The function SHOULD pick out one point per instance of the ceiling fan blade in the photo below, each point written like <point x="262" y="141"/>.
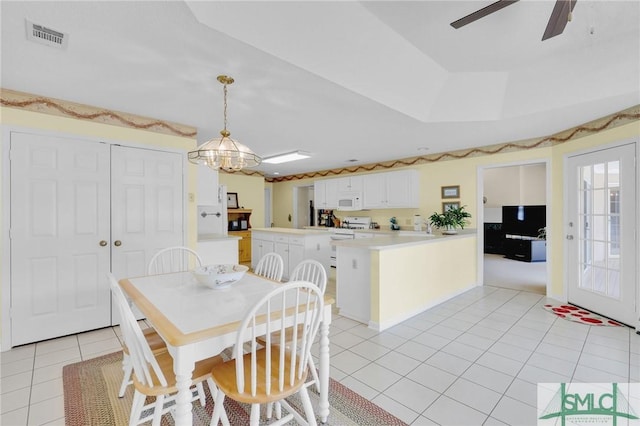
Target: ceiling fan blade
<point x="559" y="18"/>
<point x="493" y="7"/>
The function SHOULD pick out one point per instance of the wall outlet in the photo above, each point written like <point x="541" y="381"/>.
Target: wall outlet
<point x="354" y="263"/>
<point x="192" y="197"/>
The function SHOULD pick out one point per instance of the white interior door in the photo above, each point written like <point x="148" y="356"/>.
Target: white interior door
<point x="59" y="236"/>
<point x="147" y="207"/>
<point x="601" y="230"/>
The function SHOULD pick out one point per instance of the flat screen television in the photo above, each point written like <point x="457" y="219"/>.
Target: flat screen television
<point x="523" y="220"/>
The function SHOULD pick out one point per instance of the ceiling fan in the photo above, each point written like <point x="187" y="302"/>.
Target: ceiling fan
<point x="557" y="22"/>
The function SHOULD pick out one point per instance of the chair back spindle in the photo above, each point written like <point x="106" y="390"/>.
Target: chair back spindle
<point x="270" y="266"/>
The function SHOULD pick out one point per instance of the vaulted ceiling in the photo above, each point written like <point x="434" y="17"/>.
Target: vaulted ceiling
<point x="367" y="81"/>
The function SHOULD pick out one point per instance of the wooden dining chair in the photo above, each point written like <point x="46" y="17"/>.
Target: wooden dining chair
<point x="271" y="373"/>
<point x="173" y="259"/>
<point x="270" y="266"/>
<point x="156" y="344"/>
<point x="153" y="374"/>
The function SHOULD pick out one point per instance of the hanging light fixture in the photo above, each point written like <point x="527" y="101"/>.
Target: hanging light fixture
<point x="224" y="153"/>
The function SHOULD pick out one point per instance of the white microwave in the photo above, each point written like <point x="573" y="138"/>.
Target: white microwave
<point x="350" y="201"/>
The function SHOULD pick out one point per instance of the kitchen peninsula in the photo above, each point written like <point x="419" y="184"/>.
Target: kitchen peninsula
<point x="385" y="280"/>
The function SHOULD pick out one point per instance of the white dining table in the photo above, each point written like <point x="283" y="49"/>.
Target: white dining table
<point x="198" y="322"/>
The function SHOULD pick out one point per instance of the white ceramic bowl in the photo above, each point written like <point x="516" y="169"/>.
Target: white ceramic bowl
<point x="219" y="276"/>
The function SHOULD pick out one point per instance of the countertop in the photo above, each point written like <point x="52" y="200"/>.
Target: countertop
<point x="216" y="237"/>
<point x="386" y="241"/>
<point x="293" y="231"/>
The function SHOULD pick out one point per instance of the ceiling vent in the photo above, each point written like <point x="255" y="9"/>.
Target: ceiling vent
<point x="47" y="36"/>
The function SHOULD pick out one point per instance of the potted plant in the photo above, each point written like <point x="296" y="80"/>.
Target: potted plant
<point x="450" y="220"/>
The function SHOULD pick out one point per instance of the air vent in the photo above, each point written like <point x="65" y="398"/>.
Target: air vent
<point x="47" y="36"/>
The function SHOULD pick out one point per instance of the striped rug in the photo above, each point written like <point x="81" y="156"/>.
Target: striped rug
<point x="91" y="398"/>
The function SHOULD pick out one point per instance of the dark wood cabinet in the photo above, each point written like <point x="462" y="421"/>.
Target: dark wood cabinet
<point x="525" y="250"/>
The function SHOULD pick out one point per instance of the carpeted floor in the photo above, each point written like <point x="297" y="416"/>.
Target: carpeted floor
<point x="91" y="398"/>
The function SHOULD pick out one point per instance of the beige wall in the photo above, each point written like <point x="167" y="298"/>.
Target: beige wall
<point x="250" y="190"/>
<point x="515" y="185"/>
<point x="464" y="173"/>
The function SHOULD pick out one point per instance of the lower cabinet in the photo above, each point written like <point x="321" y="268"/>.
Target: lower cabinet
<point x="244" y="245"/>
<point x="292" y="248"/>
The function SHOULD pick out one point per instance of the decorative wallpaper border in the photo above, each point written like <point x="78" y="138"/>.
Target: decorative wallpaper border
<point x="614" y="120"/>
<point x="44" y="105"/>
<point x="41" y="104"/>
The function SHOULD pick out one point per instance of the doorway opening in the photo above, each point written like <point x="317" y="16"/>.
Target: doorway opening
<point x="513" y="249"/>
<point x="303" y="206"/>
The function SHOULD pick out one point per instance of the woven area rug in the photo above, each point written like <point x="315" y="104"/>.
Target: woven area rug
<point x="91" y="398"/>
<point x="573" y="313"/>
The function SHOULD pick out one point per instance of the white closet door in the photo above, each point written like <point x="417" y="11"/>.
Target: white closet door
<point x="147" y="207"/>
<point x="59" y="236"/>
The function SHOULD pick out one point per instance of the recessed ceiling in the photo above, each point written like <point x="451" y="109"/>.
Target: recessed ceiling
<point x="372" y="81"/>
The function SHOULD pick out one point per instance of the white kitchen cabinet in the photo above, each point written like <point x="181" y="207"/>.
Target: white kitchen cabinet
<point x="218" y="250"/>
<point x="391" y="190"/>
<point x="325" y="193"/>
<point x="293" y="251"/>
<point x="294" y="247"/>
<point x="350" y="184"/>
<point x="207" y="186"/>
<point x="261" y="244"/>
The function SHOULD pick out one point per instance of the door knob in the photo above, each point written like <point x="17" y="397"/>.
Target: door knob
<point x="103" y="243"/>
<point x="569" y="237"/>
<point x="117" y="243"/>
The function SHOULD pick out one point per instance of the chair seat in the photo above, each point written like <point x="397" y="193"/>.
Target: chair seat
<point x="200" y="373"/>
<point x="154" y="340"/>
<point x="224" y="376"/>
<point x="275" y="336"/>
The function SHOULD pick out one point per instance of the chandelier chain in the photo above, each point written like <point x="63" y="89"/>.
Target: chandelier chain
<point x="225" y="106"/>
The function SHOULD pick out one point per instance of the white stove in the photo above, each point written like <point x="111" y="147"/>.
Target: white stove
<point x="347" y="231"/>
<point x="355" y="222"/>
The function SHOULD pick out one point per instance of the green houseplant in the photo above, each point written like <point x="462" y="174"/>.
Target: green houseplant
<point x="450" y="220"/>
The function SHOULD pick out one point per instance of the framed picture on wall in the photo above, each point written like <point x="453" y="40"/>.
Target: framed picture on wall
<point x="451" y="191"/>
<point x="450" y="205"/>
<point x="232" y="200"/>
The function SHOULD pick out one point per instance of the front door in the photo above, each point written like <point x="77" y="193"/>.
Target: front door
<point x="601" y="228"/>
<point x="59" y="236"/>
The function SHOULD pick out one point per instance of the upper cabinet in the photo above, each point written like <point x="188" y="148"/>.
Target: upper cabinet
<point x="391" y="190"/>
<point x="207" y="186"/>
<point x="325" y="193"/>
<point x="379" y="190"/>
<point x="350" y="184"/>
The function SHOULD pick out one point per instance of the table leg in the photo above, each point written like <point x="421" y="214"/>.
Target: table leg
<point x="324" y="371"/>
<point x="183" y="369"/>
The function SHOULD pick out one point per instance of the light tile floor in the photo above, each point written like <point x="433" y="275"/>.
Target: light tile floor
<point x="474" y="360"/>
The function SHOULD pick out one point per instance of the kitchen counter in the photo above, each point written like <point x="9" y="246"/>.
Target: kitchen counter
<point x="395" y="239"/>
<point x="216" y="237"/>
<point x="293" y="231"/>
<point x="388" y="279"/>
